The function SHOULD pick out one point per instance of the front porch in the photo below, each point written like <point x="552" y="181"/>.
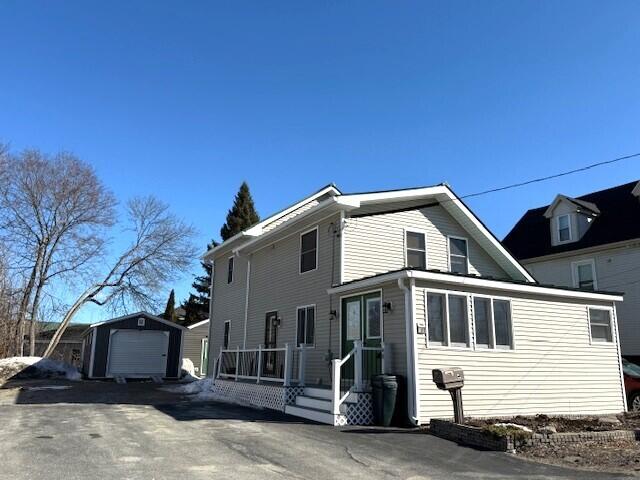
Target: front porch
<point x="275" y="378"/>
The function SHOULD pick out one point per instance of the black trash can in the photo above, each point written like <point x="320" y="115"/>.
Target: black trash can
<point x="385" y="390"/>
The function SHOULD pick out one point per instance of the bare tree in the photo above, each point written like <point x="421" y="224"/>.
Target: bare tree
<point x="54" y="212"/>
<point x="160" y="249"/>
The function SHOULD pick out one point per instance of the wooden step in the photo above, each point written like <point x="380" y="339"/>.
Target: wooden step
<point x="319" y="416"/>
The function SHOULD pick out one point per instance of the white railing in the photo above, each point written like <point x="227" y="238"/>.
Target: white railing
<point x="263" y="364"/>
<point x="360" y="358"/>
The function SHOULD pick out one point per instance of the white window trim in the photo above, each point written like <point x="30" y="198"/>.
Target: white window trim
<point x="229" y="339"/>
<point x="233" y="269"/>
<point x="574" y="271"/>
<point x="360" y="294"/>
<point x="300" y="272"/>
<point x="597" y="343"/>
<point x="447" y="345"/>
<point x="568" y="215"/>
<point x="366" y="319"/>
<point x="449" y="237"/>
<point x="315" y="315"/>
<point x="496" y="347"/>
<point x="421" y="232"/>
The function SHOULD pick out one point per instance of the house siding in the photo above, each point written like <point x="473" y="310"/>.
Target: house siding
<point x="375" y="244"/>
<point x="553" y="368"/>
<point x="192" y="348"/>
<point x="617" y="269"/>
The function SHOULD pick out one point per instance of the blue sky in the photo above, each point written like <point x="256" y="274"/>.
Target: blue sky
<point x="185" y="100"/>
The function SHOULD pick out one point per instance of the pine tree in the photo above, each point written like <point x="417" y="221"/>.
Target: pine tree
<point x="197" y="305"/>
<point x="170" y="309"/>
<point x="241" y="216"/>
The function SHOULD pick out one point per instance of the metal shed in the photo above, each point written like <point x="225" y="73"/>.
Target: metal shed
<point x="139" y="345"/>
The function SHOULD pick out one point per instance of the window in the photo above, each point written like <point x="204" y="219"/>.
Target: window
<point x="600" y="325"/>
<point x="447" y="319"/>
<point x="309" y="251"/>
<point x="492" y="319"/>
<point x="306" y="326"/>
<point x="230" y="270"/>
<point x="75" y="356"/>
<point x="225" y="336"/>
<point x="458" y="255"/>
<point x="373" y="318"/>
<point x="416" y="253"/>
<point x="564" y="228"/>
<point x="584" y="274"/>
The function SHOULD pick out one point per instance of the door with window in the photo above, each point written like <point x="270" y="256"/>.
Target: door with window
<point x="270" y="359"/>
<point x="362" y="320"/>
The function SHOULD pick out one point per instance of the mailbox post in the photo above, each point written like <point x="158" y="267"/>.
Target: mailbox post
<point x="452" y="380"/>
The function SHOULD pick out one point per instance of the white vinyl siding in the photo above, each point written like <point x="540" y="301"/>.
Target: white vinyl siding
<point x="376" y="244"/>
<point x="617" y="270"/>
<point x="553" y="369"/>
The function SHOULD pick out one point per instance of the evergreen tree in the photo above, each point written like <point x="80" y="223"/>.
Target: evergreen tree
<point x="241" y="216"/>
<point x="170" y="309"/>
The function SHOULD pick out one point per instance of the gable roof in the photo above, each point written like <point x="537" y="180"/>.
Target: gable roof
<point x="581" y="205"/>
<point x="618" y="220"/>
<point x="133" y="315"/>
<point x="257" y="229"/>
<point x="438" y="194"/>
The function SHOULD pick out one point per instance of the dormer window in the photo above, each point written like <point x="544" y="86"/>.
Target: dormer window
<point x="564" y="228"/>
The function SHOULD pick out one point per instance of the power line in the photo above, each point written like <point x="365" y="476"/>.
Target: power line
<point x="550" y="177"/>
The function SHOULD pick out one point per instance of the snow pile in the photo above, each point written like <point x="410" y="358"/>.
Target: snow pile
<point x="187" y="368"/>
<point x="202" y="391"/>
<point x="36" y="367"/>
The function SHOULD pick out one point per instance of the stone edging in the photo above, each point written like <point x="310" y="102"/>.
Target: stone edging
<point x="477" y="437"/>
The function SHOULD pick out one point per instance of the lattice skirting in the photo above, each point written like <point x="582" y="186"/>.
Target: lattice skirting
<point x="274" y="397"/>
<point x="361" y="412"/>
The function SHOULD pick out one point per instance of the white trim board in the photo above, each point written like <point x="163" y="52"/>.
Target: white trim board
<point x="473" y="282"/>
<point x="192" y="326"/>
<point x="138" y="314"/>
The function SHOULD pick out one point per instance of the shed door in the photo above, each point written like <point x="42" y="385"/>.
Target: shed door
<point x="138" y="353"/>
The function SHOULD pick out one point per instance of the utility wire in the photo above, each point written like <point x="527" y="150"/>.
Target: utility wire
<point x="550" y="177"/>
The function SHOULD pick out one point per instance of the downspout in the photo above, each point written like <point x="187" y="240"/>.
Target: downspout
<point x="210" y="359"/>
<point x="246" y="303"/>
<point x="412" y="367"/>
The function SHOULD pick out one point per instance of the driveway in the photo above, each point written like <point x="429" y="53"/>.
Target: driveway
<point x="136" y="431"/>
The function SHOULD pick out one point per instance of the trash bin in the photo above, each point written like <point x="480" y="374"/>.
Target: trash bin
<point x="385" y="389"/>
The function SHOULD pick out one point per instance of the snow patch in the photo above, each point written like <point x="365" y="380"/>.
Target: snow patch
<point x="36" y="367"/>
<point x="187" y="368"/>
<point x="202" y="391"/>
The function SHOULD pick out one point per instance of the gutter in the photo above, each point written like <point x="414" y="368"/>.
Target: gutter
<point x="412" y="351"/>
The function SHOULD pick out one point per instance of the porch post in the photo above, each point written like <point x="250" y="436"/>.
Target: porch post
<point x="302" y="364"/>
<point x="237" y="361"/>
<point x="219" y="366"/>
<point x="259" y="363"/>
<point x="335" y="386"/>
<point x="287" y="364"/>
<point x="357" y="364"/>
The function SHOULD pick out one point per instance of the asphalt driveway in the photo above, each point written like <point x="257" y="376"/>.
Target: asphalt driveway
<point x="136" y="431"/>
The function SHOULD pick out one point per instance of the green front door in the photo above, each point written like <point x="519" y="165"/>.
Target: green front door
<point x="362" y="320"/>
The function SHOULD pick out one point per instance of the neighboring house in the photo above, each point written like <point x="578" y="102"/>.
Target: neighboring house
<point x="69" y="348"/>
<point x="196" y="346"/>
<point x="139" y="345"/>
<point x="591" y="242"/>
<point x="311" y="302"/>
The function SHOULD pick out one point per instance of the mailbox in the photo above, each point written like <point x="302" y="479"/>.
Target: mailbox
<point x="448" y="378"/>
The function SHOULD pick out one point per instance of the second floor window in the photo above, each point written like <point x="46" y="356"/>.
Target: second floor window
<point x="306" y="326"/>
<point x="584" y="275"/>
<point x="564" y="228"/>
<point x="230" y="270"/>
<point x="458" y="255"/>
<point x="309" y="251"/>
<point x="416" y="250"/>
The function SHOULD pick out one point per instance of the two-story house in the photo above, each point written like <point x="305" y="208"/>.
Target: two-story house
<point x="313" y="301"/>
<point x="590" y="242"/>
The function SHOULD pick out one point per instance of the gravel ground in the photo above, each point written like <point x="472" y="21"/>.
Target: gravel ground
<point x="622" y="456"/>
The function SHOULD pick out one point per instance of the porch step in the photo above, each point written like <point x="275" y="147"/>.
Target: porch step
<point x="316" y="403"/>
<point x="326" y="394"/>
<point x="320" y="416"/>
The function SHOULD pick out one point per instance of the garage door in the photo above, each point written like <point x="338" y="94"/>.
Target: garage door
<point x="138" y="353"/>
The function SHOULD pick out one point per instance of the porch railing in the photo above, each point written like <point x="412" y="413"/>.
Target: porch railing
<point x="358" y="361"/>
<point x="282" y="365"/>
